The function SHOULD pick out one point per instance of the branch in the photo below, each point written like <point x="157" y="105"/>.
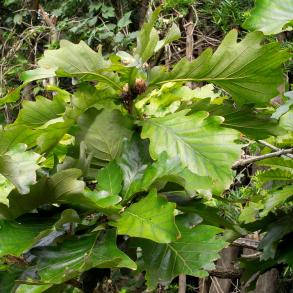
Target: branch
<point x="250" y="160"/>
<point x="274" y="148"/>
<point x="246" y="243"/>
<point x="227" y="274"/>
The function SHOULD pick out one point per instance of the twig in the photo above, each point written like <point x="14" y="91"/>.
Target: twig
<point x="251" y="256"/>
<point x="250" y="160"/>
<point x="274" y="148"/>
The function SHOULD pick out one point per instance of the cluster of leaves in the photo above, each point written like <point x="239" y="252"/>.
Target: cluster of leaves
<point x="133" y="151"/>
<point x="25" y="34"/>
<point x="225" y="14"/>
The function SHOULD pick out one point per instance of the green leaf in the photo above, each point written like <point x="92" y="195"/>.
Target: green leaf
<point x="24" y="233"/>
<point x="273" y="175"/>
<point x="125" y="20"/>
<point x="5" y="188"/>
<point x="167" y="170"/>
<point x="170" y="97"/>
<point x="245" y="119"/>
<point x="35" y="114"/>
<point x="244" y="69"/>
<point x="286" y="121"/>
<point x="103" y="132"/>
<point x="191" y="254"/>
<point x="13" y="95"/>
<point x="152" y="218"/>
<point x="270" y="16"/>
<point x="48" y="190"/>
<point x="210" y="215"/>
<point x="133" y="164"/>
<point x="38" y="73"/>
<point x="87" y="96"/>
<point x="278" y="163"/>
<point x="51" y="135"/>
<point x="277" y="198"/>
<point x="202" y="145"/>
<point x="19" y="166"/>
<point x="79" y="60"/>
<point x="147" y="38"/>
<point x="172" y="35"/>
<point x="7" y="278"/>
<point x="275" y="232"/>
<point x="78" y="254"/>
<point x="110" y="178"/>
<point x="13" y="135"/>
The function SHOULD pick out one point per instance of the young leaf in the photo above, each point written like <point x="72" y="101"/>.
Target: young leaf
<point x="191" y="254"/>
<point x="152" y="218"/>
<point x="57" y="264"/>
<point x="245" y="69"/>
<point x="270" y="16"/>
<point x="202" y="145"/>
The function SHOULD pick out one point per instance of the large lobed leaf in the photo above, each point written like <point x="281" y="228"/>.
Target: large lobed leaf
<point x="76" y="60"/>
<point x="246" y="119"/>
<point x="19" y="166"/>
<point x="60" y="186"/>
<point x="152" y="218"/>
<point x="103" y="133"/>
<point x="78" y="254"/>
<point x="248" y="71"/>
<point x="270" y="16"/>
<point x="191" y="254"/>
<point x="202" y="145"/>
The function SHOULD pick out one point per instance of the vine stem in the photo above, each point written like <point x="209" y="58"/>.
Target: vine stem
<point x="253" y="159"/>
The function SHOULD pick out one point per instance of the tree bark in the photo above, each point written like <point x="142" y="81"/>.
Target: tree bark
<point x="182" y="284"/>
<point x="144" y="5"/>
<point x="225" y="263"/>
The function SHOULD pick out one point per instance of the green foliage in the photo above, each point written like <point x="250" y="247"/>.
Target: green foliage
<point x="270" y="16"/>
<point x="240" y="68"/>
<point x="131" y="150"/>
<point x="193" y="252"/>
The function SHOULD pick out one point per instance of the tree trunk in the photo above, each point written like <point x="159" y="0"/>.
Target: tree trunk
<point x="226" y="262"/>
<point x="267" y="282"/>
<point x="144" y="5"/>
